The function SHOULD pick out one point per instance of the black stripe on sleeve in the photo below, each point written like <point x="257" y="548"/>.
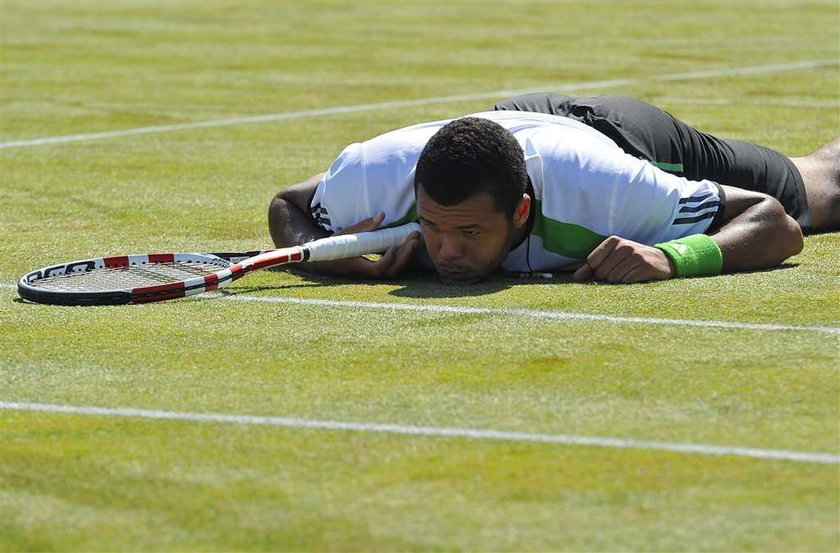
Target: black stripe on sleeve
<point x="689" y="220"/>
<point x="696" y="208"/>
<point x="312" y="197"/>
<point x="693" y="199"/>
<point x="721" y="212"/>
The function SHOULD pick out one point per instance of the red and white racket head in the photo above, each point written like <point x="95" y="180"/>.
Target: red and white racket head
<point x="123" y="279"/>
<point x="163" y="276"/>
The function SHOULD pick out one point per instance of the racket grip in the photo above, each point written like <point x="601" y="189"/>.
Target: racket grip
<point x="353" y="245"/>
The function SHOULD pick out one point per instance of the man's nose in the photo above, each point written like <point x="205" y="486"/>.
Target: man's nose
<point x="450" y="249"/>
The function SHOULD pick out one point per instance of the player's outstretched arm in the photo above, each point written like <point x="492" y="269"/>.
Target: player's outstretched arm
<point x="622" y="261"/>
<point x="756" y="233"/>
<point x="290" y="225"/>
<point x="288" y="216"/>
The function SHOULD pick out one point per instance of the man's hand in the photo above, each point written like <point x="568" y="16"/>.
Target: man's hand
<point x="393" y="261"/>
<point x="619" y="260"/>
<point x="290" y="224"/>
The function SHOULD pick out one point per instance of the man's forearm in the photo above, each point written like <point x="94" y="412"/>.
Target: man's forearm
<point x="759" y="237"/>
<point x="289" y="226"/>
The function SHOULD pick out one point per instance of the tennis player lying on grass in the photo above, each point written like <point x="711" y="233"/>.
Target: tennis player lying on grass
<point x="610" y="187"/>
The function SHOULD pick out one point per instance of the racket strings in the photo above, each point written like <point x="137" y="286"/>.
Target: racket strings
<point x="132" y="276"/>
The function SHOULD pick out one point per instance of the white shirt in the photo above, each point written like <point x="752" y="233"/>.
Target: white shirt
<point x="585" y="187"/>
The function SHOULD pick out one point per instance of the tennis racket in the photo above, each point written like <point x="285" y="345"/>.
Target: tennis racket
<point x="165" y="276"/>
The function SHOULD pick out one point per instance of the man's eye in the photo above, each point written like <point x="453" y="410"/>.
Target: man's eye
<point x="470" y="233"/>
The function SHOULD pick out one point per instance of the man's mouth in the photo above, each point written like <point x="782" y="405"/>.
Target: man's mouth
<point x="455" y="275"/>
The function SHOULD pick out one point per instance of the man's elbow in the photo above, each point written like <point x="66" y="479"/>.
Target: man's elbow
<point x="280" y="201"/>
<point x="278" y="220"/>
<point x="787" y="232"/>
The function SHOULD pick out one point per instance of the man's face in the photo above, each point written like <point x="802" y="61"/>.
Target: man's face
<point x="467" y="241"/>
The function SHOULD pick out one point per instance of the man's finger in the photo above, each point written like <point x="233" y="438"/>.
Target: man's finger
<point x="367" y="225"/>
<point x="584" y="273"/>
<point x="615" y="262"/>
<point x="638" y="274"/>
<point x="403" y="255"/>
<point x="382" y="264"/>
<point x="627" y="264"/>
<point x="602" y="251"/>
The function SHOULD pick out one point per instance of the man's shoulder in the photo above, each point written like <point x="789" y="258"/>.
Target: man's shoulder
<point x="543" y="124"/>
<point x="405" y="138"/>
<point x="407" y="142"/>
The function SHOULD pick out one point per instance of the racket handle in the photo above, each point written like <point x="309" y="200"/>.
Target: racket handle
<point x="353" y="245"/>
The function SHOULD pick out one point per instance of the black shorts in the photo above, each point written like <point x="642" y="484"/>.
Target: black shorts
<point x="649" y="133"/>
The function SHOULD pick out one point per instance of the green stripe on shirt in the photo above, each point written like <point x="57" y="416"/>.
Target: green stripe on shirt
<point x="564" y="239"/>
<point x="410" y="217"/>
<point x="670" y="167"/>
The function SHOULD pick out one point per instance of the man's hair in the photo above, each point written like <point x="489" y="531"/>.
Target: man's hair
<point x="472" y="155"/>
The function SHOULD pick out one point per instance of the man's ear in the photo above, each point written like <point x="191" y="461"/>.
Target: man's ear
<point x="522" y="211"/>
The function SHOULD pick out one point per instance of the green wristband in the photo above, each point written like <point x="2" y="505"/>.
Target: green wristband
<point x="695" y="255"/>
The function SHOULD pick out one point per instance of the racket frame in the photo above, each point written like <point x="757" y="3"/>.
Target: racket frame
<point x="232" y="266"/>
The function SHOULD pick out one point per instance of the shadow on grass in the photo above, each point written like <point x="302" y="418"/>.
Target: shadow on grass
<point x="429" y="285"/>
<point x="780" y="267"/>
<point x="315" y="283"/>
<point x="416" y="285"/>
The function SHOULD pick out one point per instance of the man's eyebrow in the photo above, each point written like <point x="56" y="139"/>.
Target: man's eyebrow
<point x="472" y="226"/>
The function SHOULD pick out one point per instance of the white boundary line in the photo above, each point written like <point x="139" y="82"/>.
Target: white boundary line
<point x="527" y="313"/>
<point x="497" y="311"/>
<point x="428" y="431"/>
<point x="747" y="102"/>
<point x="567" y="87"/>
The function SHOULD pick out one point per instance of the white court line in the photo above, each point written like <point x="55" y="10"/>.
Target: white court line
<point x="567" y="87"/>
<point x="429" y="431"/>
<point x="746" y="102"/>
<point x="525" y="313"/>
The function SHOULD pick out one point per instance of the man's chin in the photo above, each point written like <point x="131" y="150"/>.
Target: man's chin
<point x="460" y="277"/>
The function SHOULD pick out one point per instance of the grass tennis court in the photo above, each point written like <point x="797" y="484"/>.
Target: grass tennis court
<point x="515" y="415"/>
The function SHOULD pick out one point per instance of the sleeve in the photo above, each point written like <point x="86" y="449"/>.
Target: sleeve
<point x="330" y="205"/>
<point x="598" y="186"/>
<point x="657" y="206"/>
<point x="364" y="180"/>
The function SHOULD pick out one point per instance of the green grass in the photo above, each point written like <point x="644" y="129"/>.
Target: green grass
<point x="81" y="483"/>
